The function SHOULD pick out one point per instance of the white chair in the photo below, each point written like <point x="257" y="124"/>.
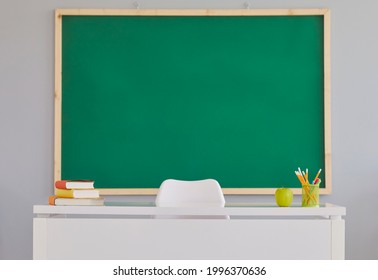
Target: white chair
<point x="201" y="193"/>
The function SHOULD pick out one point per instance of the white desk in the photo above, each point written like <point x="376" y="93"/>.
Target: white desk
<point x="132" y="231"/>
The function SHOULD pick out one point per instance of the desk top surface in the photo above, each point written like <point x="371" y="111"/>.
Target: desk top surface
<point x="149" y="208"/>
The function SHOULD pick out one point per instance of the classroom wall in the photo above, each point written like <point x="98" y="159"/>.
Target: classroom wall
<point x="27" y="99"/>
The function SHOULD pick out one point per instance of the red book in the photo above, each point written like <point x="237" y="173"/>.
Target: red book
<point x="74" y="184"/>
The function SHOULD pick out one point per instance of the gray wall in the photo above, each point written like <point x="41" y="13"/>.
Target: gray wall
<point x="26" y="112"/>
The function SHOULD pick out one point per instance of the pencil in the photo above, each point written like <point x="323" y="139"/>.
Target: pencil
<point x="300" y="177"/>
<point x="305" y="177"/>
<point x="317" y="175"/>
<point x="300" y="171"/>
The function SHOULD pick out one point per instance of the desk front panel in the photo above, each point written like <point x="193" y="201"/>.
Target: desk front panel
<point x="84" y="238"/>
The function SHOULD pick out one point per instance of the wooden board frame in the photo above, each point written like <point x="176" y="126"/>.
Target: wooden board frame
<point x="247" y="12"/>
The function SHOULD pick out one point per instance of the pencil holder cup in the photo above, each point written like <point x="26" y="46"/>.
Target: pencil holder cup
<point x="310" y="195"/>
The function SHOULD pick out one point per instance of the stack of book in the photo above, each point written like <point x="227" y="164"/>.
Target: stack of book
<point x="75" y="192"/>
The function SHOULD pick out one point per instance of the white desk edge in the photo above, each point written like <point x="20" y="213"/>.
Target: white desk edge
<point x="233" y="209"/>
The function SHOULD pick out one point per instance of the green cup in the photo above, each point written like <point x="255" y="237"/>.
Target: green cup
<point x="310" y="195"/>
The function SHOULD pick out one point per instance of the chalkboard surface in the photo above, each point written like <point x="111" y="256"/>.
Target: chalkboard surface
<point x="239" y="99"/>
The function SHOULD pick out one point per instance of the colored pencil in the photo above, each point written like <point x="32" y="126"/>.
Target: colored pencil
<point x="317" y="175"/>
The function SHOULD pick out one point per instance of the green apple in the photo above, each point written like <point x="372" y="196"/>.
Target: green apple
<point x="284" y="197"/>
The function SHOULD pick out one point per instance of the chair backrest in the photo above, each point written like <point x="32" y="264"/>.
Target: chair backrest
<point x="201" y="193"/>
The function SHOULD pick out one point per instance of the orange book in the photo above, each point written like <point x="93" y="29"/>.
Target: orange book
<point x="52" y="199"/>
<point x="60" y="201"/>
<point x="74" y="184"/>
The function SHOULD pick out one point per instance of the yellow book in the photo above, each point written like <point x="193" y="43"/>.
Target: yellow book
<point x="77" y="193"/>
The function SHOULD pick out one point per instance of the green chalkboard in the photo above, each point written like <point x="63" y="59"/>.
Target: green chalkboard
<point x="236" y="98"/>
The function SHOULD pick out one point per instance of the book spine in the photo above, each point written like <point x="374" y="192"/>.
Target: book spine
<point x="61" y="184"/>
<point x="52" y="199"/>
<point x="64" y="193"/>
